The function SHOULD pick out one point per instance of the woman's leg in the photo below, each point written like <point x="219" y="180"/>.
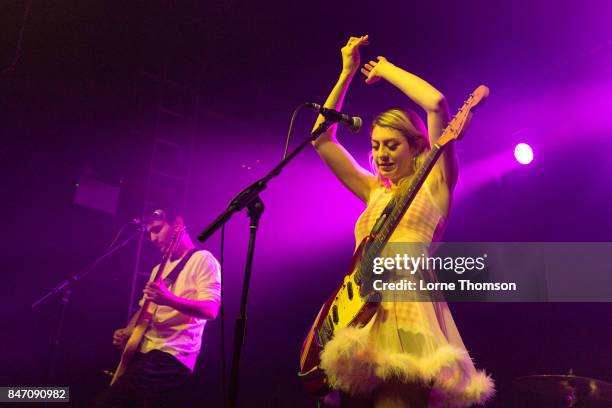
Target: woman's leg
<point x="395" y="394"/>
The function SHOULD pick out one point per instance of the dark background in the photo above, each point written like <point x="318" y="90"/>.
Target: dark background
<point x="74" y="103"/>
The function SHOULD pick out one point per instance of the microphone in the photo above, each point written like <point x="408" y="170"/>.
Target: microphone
<point x="352" y="122"/>
<point x="154" y="216"/>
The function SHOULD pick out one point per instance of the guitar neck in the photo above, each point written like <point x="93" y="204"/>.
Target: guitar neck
<point x="148" y="307"/>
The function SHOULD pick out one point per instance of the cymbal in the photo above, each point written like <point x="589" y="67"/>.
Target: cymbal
<point x="572" y="386"/>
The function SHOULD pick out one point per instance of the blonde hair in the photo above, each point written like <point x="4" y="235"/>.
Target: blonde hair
<point x="412" y="128"/>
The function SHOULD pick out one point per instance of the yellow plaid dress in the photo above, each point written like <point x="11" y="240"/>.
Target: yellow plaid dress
<point x="406" y="341"/>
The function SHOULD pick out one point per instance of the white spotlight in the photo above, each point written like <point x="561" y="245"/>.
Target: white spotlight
<point x="523" y="153"/>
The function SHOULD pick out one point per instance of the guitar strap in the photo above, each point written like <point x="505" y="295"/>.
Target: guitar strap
<point x="169" y="280"/>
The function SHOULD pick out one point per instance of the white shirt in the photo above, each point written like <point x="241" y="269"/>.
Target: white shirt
<point x="174" y="332"/>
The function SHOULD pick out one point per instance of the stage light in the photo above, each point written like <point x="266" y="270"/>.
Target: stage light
<point x="523" y="153"/>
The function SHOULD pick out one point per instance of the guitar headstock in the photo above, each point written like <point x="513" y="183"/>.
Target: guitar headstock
<point x="458" y="124"/>
<point x="177" y="227"/>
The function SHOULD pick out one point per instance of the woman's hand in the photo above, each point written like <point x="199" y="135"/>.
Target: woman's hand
<point x="350" y="54"/>
<point x="374" y="70"/>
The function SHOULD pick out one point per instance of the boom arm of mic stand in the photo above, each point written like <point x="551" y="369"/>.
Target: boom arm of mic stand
<point x="66" y="283"/>
<point x="243" y="199"/>
<point x="249" y="194"/>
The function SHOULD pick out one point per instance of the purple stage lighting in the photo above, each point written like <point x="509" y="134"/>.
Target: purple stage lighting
<point x="523" y="153"/>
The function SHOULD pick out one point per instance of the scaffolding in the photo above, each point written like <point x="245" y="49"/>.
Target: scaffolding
<point x="171" y="126"/>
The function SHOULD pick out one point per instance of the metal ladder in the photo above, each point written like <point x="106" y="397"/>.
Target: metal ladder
<point x="170" y="158"/>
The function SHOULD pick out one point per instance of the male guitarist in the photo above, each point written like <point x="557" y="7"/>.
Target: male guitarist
<point x="184" y="302"/>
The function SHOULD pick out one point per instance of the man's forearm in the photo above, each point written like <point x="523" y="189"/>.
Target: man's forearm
<point x="203" y="309"/>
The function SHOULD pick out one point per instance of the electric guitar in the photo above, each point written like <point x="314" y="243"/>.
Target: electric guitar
<point x="146" y="312"/>
<point x="354" y="303"/>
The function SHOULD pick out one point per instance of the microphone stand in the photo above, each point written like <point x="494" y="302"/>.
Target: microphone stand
<point x="249" y="198"/>
<point x="64" y="288"/>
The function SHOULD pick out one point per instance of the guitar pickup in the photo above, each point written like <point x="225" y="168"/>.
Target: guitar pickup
<point x="335" y="314"/>
<point x="349" y="290"/>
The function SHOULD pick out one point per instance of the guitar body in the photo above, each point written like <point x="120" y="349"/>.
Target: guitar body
<point x="346" y="307"/>
<point x="132" y="345"/>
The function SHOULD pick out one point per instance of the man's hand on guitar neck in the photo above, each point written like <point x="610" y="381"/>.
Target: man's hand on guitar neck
<point x="158" y="293"/>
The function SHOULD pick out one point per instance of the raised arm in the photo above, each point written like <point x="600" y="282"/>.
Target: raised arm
<point x="428" y="98"/>
<point x="358" y="180"/>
